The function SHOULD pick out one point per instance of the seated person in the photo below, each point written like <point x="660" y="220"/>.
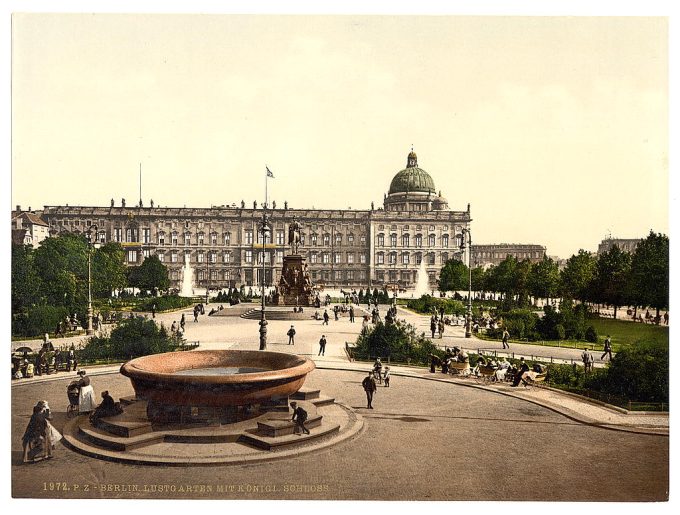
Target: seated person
<point x="523" y="367"/>
<point x="107" y="408"/>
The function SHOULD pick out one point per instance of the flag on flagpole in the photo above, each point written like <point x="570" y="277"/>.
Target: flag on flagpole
<point x="269" y="172"/>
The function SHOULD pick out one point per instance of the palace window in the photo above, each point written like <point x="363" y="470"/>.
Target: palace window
<point x="132" y="256"/>
<point x="336" y="258"/>
<point x="187" y="239"/>
<point x="212" y="257"/>
<point x="227" y="238"/>
<point x="227" y="275"/>
<point x="280" y="238"/>
<point x="313" y="237"/>
<point x="249" y="256"/>
<point x="380" y="258"/>
<point x="161" y="238"/>
<point x="326" y="239"/>
<point x="226" y="257"/>
<point x="213" y="275"/>
<point x="362" y="259"/>
<point x="313" y="257"/>
<point x="405" y="240"/>
<point x="393" y="240"/>
<point x="326" y="257"/>
<point x="213" y="239"/>
<point x="362" y="275"/>
<point x="363" y="239"/>
<point x="381" y="240"/>
<point x="430" y="258"/>
<point x="393" y="258"/>
<point x="338" y="238"/>
<point x="419" y="240"/>
<point x="173" y="257"/>
<point x="200" y="256"/>
<point x="131" y="235"/>
<point x="350" y="257"/>
<point x="174" y="239"/>
<point x="161" y="256"/>
<point x="445" y="257"/>
<point x="350" y="238"/>
<point x="405" y="258"/>
<point x="350" y="275"/>
<point x="249" y="237"/>
<point x="419" y="258"/>
<point x="279" y="256"/>
<point x="431" y="240"/>
<point x="445" y="240"/>
<point x="146" y="235"/>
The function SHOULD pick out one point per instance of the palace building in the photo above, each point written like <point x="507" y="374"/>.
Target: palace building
<point x="222" y="246"/>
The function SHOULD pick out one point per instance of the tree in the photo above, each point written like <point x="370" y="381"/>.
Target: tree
<point x="544" y="281"/>
<point x="578" y="275"/>
<point x="478" y="279"/>
<point x="25" y="281"/>
<point x="502" y="277"/>
<point x="521" y="277"/>
<point x="649" y="277"/>
<point x="153" y="275"/>
<point x="454" y="276"/>
<point x="613" y="269"/>
<point x="61" y="264"/>
<point x="108" y="269"/>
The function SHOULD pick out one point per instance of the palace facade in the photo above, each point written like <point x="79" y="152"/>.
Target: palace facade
<point x="223" y="246"/>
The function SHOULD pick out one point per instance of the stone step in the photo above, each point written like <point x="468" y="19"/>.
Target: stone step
<point x="276" y="442"/>
<point x="305" y="394"/>
<point x="323" y="401"/>
<point x="281" y="427"/>
<point x="106" y="440"/>
<point x="121" y="427"/>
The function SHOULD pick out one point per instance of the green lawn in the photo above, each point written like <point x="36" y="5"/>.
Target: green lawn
<point x="623" y="334"/>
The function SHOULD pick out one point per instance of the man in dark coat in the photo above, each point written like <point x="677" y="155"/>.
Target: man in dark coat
<point x="322" y="345"/>
<point x="299" y="417"/>
<point x="369" y="387"/>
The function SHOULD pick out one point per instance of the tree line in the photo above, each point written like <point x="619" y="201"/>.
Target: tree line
<point x="615" y="277"/>
<point x="51" y="280"/>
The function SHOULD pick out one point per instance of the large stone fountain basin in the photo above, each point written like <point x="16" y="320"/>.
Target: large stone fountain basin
<point x="186" y="378"/>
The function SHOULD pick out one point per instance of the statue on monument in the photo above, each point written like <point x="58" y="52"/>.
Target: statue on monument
<point x="294" y="235"/>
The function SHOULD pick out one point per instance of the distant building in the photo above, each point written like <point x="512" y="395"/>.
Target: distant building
<point x="624" y="244"/>
<point x="28" y="228"/>
<point x="493" y="254"/>
<point x="415" y="232"/>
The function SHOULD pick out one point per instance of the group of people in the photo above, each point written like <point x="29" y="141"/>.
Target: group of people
<point x="47" y="360"/>
<point x="40" y="436"/>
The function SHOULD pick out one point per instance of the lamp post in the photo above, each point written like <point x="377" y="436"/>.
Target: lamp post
<point x="93" y="229"/>
<point x="463" y="245"/>
<point x="263" y="320"/>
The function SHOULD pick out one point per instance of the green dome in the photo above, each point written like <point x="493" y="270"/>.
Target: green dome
<point x="412" y="179"/>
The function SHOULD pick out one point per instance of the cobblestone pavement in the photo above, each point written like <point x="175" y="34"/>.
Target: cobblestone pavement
<point x="424" y="440"/>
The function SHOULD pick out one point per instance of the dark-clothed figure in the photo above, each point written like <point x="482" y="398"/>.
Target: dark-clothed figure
<point x="291" y="335"/>
<point x="523" y="367"/>
<point x="299" y="417"/>
<point x="37" y="433"/>
<point x="107" y="408"/>
<point x="325" y="317"/>
<point x="607" y="347"/>
<point x="351" y="314"/>
<point x="369" y="387"/>
<point x="386" y="377"/>
<point x="322" y="345"/>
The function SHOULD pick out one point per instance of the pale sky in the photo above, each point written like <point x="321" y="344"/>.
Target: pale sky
<point x="555" y="130"/>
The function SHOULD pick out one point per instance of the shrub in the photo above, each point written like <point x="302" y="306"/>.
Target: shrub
<point x="132" y="338"/>
<point x="397" y="341"/>
<point x="560" y="332"/>
<point x="165" y="303"/>
<point x="428" y="304"/>
<point x="521" y="323"/>
<point x="591" y="334"/>
<point x="38" y="320"/>
<point x="640" y="373"/>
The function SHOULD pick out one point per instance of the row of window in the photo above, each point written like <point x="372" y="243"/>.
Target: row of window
<point x="393" y="227"/>
<point x="417" y="240"/>
<point x="406" y="258"/>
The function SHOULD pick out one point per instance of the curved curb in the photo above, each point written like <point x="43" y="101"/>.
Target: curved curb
<point x="356" y="424"/>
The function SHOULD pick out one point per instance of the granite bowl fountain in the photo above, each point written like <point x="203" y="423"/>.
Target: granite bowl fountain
<point x="177" y="385"/>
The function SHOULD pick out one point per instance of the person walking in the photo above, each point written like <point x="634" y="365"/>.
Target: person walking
<point x="153" y="311"/>
<point x="506" y="336"/>
<point x="291" y="335"/>
<point x="369" y="387"/>
<point x="322" y="345"/>
<point x="433" y="325"/>
<point x="607" y="347"/>
<point x="325" y="317"/>
<point x="299" y="417"/>
<point x="587" y="359"/>
<point x="182" y="322"/>
<point x="351" y="314"/>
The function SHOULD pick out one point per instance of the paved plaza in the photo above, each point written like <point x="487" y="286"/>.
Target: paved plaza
<point x="430" y="436"/>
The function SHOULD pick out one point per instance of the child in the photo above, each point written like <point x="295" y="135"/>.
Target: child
<point x="386" y="377"/>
